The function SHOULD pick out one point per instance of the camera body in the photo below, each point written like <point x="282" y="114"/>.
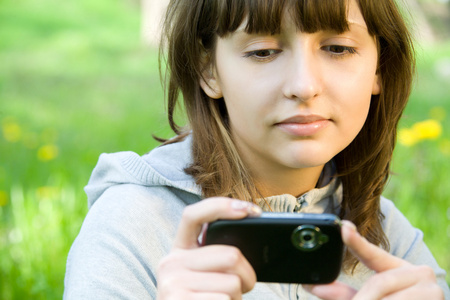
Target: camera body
<point x="285" y="247"/>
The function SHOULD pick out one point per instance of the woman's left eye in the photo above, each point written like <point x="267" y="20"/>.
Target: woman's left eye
<point x="339" y="50"/>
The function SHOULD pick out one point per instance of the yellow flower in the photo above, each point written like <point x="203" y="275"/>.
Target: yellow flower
<point x="3" y="198"/>
<point x="428" y="129"/>
<point x="47" y="192"/>
<point x="11" y="131"/>
<point x="47" y="152"/>
<point x="425" y="130"/>
<point x="407" y="137"/>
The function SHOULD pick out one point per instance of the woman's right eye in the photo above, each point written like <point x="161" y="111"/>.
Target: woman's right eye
<point x="262" y="54"/>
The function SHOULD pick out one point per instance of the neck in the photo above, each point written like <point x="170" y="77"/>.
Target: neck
<point x="295" y="182"/>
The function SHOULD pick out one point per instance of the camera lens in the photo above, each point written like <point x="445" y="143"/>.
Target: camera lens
<point x="308" y="237"/>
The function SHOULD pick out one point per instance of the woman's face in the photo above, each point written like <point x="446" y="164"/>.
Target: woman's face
<point x="295" y="100"/>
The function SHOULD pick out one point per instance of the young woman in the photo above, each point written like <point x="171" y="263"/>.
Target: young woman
<point x="292" y="107"/>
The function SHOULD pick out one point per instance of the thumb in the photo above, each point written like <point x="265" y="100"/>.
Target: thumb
<point x="206" y="211"/>
<point x="333" y="291"/>
<point x="369" y="254"/>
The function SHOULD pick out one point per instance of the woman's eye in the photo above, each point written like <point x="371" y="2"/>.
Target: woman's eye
<point x="339" y="50"/>
<point x="263" y="54"/>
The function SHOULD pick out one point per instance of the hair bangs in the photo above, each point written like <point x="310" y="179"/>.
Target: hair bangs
<point x="266" y="16"/>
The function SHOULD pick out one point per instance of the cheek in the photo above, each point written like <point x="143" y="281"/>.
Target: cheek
<point x="354" y="96"/>
<point x="355" y="116"/>
<point x="357" y="85"/>
<point x="357" y="113"/>
<point x="248" y="100"/>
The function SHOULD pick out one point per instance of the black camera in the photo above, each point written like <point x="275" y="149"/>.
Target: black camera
<point x="285" y="247"/>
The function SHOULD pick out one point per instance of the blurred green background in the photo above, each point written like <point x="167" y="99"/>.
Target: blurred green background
<point x="76" y="80"/>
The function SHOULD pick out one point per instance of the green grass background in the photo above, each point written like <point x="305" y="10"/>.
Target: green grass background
<point x="75" y="75"/>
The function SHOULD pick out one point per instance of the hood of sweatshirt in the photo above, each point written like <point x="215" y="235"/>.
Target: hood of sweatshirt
<point x="164" y="167"/>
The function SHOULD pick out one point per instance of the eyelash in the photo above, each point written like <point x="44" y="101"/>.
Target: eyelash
<point x="261" y="58"/>
<point x="272" y="53"/>
<point x="345" y="51"/>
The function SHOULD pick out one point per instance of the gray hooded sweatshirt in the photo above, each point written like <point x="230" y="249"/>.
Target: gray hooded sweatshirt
<point x="135" y="205"/>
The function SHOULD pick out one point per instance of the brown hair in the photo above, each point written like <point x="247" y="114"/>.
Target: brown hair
<point x="191" y="30"/>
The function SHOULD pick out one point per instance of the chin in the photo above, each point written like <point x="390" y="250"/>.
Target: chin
<point x="309" y="159"/>
<point x="307" y="163"/>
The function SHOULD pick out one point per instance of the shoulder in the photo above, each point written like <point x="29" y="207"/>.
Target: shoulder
<point x="403" y="237"/>
<point x="136" y="214"/>
<point x="124" y="236"/>
<point x="405" y="240"/>
<point x="163" y="166"/>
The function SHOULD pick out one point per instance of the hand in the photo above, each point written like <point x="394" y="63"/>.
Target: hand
<point x="394" y="279"/>
<point x="210" y="272"/>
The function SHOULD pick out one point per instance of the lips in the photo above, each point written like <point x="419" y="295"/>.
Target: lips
<point x="303" y="125"/>
<point x="300" y="119"/>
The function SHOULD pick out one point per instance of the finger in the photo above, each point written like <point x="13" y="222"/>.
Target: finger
<point x="370" y="255"/>
<point x="220" y="283"/>
<point x="208" y="296"/>
<point x="184" y="282"/>
<point x="209" y="210"/>
<point x="392" y="281"/>
<point x="418" y="292"/>
<point x="226" y="259"/>
<point x="188" y="295"/>
<point x="333" y="291"/>
<point x="212" y="259"/>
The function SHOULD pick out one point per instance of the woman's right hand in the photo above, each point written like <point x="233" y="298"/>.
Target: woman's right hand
<point x="211" y="272"/>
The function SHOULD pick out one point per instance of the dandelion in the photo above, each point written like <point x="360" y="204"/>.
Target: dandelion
<point x="427" y="130"/>
<point x="407" y="137"/>
<point x="3" y="198"/>
<point x="47" y="152"/>
<point x="11" y="131"/>
<point x="47" y="192"/>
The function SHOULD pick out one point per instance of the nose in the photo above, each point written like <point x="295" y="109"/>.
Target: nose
<point x="302" y="78"/>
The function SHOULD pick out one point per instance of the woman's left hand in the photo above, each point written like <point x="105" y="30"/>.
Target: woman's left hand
<point x="395" y="278"/>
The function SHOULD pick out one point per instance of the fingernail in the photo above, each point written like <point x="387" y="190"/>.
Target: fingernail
<point x="349" y="225"/>
<point x="250" y="208"/>
<point x="254" y="211"/>
<point x="307" y="287"/>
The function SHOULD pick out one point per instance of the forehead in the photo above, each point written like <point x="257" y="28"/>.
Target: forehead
<point x="267" y="16"/>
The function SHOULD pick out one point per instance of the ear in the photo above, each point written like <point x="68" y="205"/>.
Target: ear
<point x="209" y="82"/>
<point x="376" y="88"/>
